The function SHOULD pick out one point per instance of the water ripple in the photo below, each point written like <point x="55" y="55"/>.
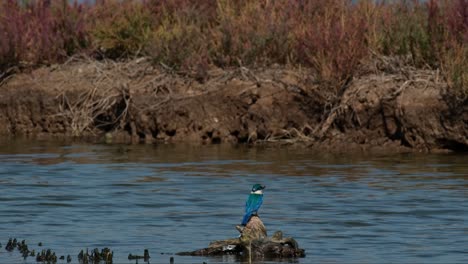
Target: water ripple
<point x="171" y="198"/>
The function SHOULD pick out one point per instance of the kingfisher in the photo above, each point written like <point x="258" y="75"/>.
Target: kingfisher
<point x="254" y="201"/>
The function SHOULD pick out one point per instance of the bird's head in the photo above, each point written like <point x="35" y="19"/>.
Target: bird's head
<point x="258" y="188"/>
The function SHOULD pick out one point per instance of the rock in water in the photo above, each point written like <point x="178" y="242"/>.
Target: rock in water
<point x="252" y="243"/>
<point x="254" y="230"/>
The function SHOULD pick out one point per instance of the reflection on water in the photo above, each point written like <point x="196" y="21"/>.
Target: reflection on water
<point x="171" y="198"/>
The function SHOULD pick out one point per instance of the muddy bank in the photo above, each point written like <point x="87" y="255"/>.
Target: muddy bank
<point x="400" y="109"/>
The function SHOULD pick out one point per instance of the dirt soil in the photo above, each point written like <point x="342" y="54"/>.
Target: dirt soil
<point x="391" y="109"/>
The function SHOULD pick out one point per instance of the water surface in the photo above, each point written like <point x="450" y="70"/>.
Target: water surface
<point x="171" y="198"/>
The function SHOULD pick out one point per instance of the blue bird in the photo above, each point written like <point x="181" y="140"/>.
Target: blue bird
<point x="253" y="203"/>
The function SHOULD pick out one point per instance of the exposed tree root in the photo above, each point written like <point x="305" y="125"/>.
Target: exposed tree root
<point x="389" y="106"/>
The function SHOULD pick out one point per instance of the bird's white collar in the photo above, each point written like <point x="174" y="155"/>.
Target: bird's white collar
<point x="257" y="192"/>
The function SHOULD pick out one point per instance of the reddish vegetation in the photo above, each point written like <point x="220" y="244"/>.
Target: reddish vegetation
<point x="332" y="73"/>
<point x="332" y="37"/>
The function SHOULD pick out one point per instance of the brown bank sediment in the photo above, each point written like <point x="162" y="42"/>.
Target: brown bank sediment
<point x="391" y="109"/>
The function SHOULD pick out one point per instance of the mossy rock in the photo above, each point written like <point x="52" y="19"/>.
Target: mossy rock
<point x="253" y="242"/>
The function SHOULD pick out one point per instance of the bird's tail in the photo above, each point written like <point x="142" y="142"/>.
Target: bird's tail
<point x="246" y="218"/>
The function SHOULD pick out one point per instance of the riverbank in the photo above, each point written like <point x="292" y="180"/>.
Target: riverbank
<point x="386" y="107"/>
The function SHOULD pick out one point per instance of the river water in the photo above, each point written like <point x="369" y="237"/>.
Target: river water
<point x="409" y="208"/>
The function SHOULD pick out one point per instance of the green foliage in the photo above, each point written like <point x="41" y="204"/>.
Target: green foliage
<point x="453" y="51"/>
<point x="178" y="40"/>
<point x="120" y="28"/>
<point x="455" y="67"/>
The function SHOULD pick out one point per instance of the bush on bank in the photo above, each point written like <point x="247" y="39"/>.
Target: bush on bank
<point x="331" y="37"/>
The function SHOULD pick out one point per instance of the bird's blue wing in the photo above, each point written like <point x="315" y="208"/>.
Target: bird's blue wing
<point x="253" y="203"/>
<point x="251" y="206"/>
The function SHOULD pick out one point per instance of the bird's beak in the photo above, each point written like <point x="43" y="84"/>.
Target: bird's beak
<point x="263" y="187"/>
